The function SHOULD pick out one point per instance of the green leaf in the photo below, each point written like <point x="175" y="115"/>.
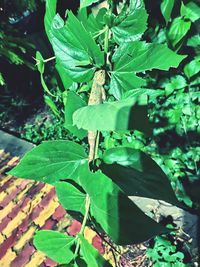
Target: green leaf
<point x="142" y="178"/>
<point x="49" y="15"/>
<point x="2" y="82"/>
<point x="119" y="217"/>
<point x="93" y="24"/>
<point x="86" y="3"/>
<point x="48" y="18"/>
<point x="40" y="66"/>
<point x="72" y="102"/>
<point x="91" y="255"/>
<point x="39" y="62"/>
<point x="75" y="49"/>
<point x="166" y="9"/>
<point x="138" y="56"/>
<point x="122" y="155"/>
<point x="151" y="93"/>
<point x="192" y="68"/>
<point x="176" y="82"/>
<point x="55" y="245"/>
<point x="178" y="30"/>
<point x="70" y="197"/>
<point x="66" y="80"/>
<point x="125" y="114"/>
<point x="130" y="24"/>
<point x="51" y="161"/>
<point x="190" y="11"/>
<point x="194" y="41"/>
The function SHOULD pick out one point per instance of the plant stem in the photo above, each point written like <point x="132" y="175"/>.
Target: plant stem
<point x="106" y="39"/>
<point x="96" y="145"/>
<point x="87" y="209"/>
<point x="49" y="59"/>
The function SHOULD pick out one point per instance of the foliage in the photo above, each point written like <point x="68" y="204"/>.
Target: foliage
<point x="43" y="129"/>
<point x="13" y="47"/>
<point x="109" y="65"/>
<point x="163" y="249"/>
<point x="176" y="113"/>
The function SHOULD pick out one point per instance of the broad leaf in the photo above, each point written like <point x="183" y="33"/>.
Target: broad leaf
<point x="143" y="177"/>
<point x="64" y="77"/>
<point x="70" y="197"/>
<point x="166" y="9"/>
<point x="131" y="23"/>
<point x="151" y="93"/>
<point x="55" y="245"/>
<point x="192" y="68"/>
<point x="178" y="30"/>
<point x="93" y="24"/>
<point x="51" y="161"/>
<point x="75" y="49"/>
<point x="72" y="102"/>
<point x="194" y="41"/>
<point x="175" y="83"/>
<point x="48" y="18"/>
<point x="190" y="11"/>
<point x="85" y="3"/>
<point x="49" y="15"/>
<point x="138" y="56"/>
<point x="91" y="255"/>
<point x="126" y="114"/>
<point x="119" y="217"/>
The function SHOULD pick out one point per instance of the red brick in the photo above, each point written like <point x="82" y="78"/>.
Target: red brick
<point x="24" y="225"/>
<point x="44" y="202"/>
<point x="50" y="263"/>
<point x="35" y="213"/>
<point x="4" y="223"/>
<point x="49" y="224"/>
<point x="4" y="162"/>
<point x="35" y="189"/>
<point x="7" y="184"/>
<point x="8" y="243"/>
<point x="13" y="194"/>
<point x="23" y="258"/>
<point x="46" y="199"/>
<point x="13" y="213"/>
<point x="59" y="213"/>
<point x="74" y="228"/>
<point x="98" y="244"/>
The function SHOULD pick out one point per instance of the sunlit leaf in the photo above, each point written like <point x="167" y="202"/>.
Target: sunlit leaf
<point x="131" y="23"/>
<point x="125" y="114"/>
<point x="55" y="245"/>
<point x="192" y="68"/>
<point x="166" y="8"/>
<point x="178" y="30"/>
<point x="72" y="102"/>
<point x="190" y="11"/>
<point x="51" y="161"/>
<point x="133" y="57"/>
<point x="75" y="49"/>
<point x="70" y="197"/>
<point x="91" y="255"/>
<point x="86" y="3"/>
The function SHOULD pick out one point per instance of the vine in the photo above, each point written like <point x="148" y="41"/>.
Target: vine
<point x="106" y="55"/>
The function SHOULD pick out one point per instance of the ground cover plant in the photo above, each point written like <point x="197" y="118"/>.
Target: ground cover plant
<point x="110" y="75"/>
